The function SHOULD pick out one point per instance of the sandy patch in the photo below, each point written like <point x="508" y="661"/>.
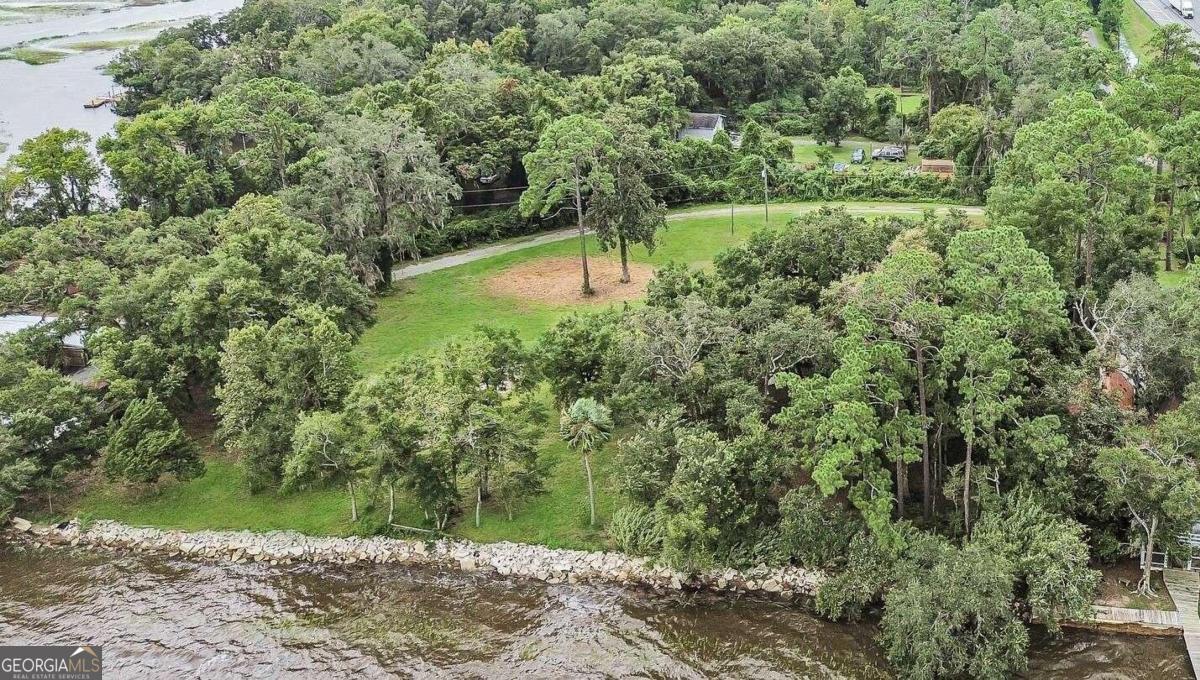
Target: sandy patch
<point x="557" y="280"/>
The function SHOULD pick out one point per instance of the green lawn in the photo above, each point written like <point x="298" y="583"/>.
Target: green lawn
<point x="420" y="315"/>
<point x="1138" y="28"/>
<point x="804" y="151"/>
<point x="423" y="313"/>
<point x="220" y="500"/>
<point x="908" y="102"/>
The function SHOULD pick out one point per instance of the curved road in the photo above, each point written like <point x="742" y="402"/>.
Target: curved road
<point x="472" y="254"/>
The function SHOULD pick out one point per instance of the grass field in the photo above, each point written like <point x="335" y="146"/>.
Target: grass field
<point x="804" y="150"/>
<point x="908" y="102"/>
<point x="1138" y="28"/>
<point x="423" y="313"/>
<point x="220" y="500"/>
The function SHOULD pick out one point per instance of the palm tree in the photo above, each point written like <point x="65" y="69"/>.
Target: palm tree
<point x="586" y="425"/>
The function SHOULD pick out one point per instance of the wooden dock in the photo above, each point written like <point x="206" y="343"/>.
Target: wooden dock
<point x="1152" y="618"/>
<point x="1184" y="587"/>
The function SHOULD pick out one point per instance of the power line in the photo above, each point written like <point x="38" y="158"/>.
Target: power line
<point x="652" y="174"/>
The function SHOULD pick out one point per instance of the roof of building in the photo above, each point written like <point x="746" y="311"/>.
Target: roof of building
<point x="704" y="121"/>
<point x="13" y="323"/>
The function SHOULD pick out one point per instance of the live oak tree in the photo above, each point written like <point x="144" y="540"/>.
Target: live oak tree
<point x="17" y="471"/>
<point x="48" y="426"/>
<point x="271" y="123"/>
<point x="1152" y="477"/>
<point x="323" y="452"/>
<point x="269" y="375"/>
<point x="376" y="185"/>
<point x="166" y="163"/>
<point x="53" y="175"/>
<point x="951" y="615"/>
<point x="574" y="158"/>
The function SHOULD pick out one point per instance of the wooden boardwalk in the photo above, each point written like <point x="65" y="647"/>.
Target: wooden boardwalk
<point x="1184" y="587"/>
<point x="1149" y="617"/>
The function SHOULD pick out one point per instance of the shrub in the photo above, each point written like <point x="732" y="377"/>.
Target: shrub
<point x="847" y="593"/>
<point x="148" y="443"/>
<point x="955" y="619"/>
<point x="815" y="532"/>
<point x="646" y="460"/>
<point x="636" y="531"/>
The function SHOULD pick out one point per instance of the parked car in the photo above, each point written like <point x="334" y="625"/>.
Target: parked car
<point x="858" y="156"/>
<point x="839" y="167"/>
<point x="889" y="153"/>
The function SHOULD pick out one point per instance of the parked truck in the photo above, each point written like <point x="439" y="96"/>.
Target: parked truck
<point x="1183" y="7"/>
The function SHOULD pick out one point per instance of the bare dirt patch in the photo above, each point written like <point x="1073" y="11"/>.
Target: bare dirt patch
<point x="1118" y="585"/>
<point x="557" y="280"/>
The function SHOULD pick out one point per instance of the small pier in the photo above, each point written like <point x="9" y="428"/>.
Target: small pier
<point x="1184" y="587"/>
<point x="97" y="102"/>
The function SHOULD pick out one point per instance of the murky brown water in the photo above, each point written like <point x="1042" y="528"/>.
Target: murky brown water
<point x="160" y="616"/>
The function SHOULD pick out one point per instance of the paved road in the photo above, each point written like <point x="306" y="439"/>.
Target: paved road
<point x="1162" y="13"/>
<point x="464" y="256"/>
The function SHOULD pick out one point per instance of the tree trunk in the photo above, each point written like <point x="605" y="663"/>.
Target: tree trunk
<point x="587" y="281"/>
<point x="967" y="489"/>
<point x="353" y="502"/>
<point x="392" y="502"/>
<point x="1144" y="587"/>
<point x="1170" y="236"/>
<point x="927" y="497"/>
<point x="901" y="486"/>
<point x="478" y="503"/>
<point x="385" y="260"/>
<point x="624" y="247"/>
<point x="587" y="465"/>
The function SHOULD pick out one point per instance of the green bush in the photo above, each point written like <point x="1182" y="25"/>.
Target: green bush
<point x="847" y="593"/>
<point x="815" y="532"/>
<point x="636" y="531"/>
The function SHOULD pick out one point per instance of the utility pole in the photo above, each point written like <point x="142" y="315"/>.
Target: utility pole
<point x="766" y="195"/>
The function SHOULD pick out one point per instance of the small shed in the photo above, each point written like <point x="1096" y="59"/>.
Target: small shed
<point x="938" y="166"/>
<point x="702" y="126"/>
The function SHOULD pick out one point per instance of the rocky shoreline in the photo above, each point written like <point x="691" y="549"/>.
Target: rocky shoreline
<point x="550" y="565"/>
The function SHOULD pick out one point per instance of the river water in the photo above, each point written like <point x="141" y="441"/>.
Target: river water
<point x="35" y="98"/>
<point x="159" y="617"/>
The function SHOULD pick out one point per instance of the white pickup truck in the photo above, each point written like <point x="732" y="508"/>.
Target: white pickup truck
<point x="1184" y="7"/>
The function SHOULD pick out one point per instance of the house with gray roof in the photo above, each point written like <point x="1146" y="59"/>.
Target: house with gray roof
<point x="702" y="126"/>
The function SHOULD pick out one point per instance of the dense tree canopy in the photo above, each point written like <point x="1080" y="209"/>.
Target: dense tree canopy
<point x="922" y="406"/>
